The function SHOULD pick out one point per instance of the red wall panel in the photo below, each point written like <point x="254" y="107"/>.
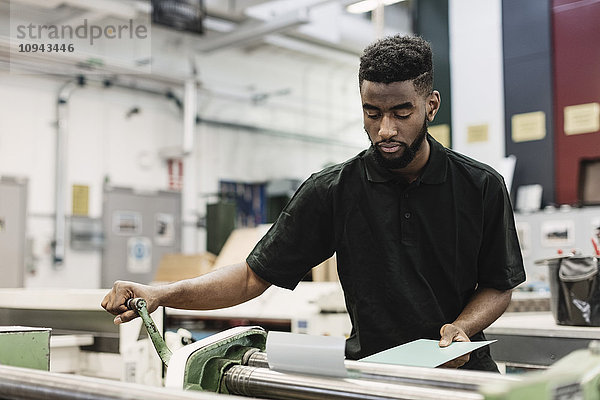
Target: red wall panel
<point x="576" y="36"/>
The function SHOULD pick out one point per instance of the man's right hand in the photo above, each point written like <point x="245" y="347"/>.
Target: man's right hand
<point x="115" y="301"/>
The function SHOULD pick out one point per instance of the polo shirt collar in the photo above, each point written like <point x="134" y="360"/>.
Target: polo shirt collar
<point x="434" y="173"/>
<point x="436" y="168"/>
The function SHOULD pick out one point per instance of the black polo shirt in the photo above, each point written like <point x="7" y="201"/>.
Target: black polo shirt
<point x="409" y="256"/>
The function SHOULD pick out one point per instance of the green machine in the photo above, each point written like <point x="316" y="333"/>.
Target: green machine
<point x="202" y="365"/>
<point x="235" y="362"/>
<point x="25" y="347"/>
<point x="574" y="377"/>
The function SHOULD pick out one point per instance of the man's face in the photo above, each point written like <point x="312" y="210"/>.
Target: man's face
<point x="395" y="119"/>
<point x="407" y="156"/>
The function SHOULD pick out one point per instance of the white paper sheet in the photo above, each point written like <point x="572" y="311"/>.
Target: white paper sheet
<point x="306" y="354"/>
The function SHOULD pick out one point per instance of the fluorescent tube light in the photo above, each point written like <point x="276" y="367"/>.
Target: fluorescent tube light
<point x="368" y="5"/>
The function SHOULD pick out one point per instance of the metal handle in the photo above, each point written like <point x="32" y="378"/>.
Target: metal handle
<point x="139" y="306"/>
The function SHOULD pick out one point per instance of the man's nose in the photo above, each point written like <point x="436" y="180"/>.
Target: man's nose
<point x="387" y="130"/>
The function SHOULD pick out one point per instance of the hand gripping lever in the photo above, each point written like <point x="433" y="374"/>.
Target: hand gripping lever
<point x="139" y="306"/>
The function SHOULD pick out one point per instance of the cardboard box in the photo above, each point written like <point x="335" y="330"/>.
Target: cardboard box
<point x="239" y="244"/>
<point x="326" y="271"/>
<point x="175" y="267"/>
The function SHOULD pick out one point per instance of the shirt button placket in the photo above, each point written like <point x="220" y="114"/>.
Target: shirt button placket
<point x="406" y="215"/>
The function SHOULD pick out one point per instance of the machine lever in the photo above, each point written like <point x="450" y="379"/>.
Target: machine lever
<point x="139" y="306"/>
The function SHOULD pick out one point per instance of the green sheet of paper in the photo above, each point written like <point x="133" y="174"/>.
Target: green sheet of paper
<point x="424" y="353"/>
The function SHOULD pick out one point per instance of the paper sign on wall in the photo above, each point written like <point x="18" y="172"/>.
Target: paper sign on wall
<point x="477" y="133"/>
<point x="558" y="233"/>
<point x="582" y="118"/>
<point x="81" y="195"/>
<point x="127" y="222"/>
<point x="164" y="229"/>
<point x="139" y="255"/>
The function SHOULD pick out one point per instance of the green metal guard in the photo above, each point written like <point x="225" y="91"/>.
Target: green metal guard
<point x="206" y="366"/>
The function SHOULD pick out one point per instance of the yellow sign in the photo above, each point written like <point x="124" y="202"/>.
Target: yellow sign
<point x="582" y="118"/>
<point x="441" y="133"/>
<point x="528" y="126"/>
<point x="81" y="194"/>
<point x="477" y="133"/>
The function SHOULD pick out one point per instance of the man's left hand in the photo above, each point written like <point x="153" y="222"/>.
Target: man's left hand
<point x="452" y="333"/>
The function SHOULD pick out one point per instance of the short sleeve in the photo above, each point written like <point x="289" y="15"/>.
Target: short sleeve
<point x="300" y="239"/>
<point x="500" y="261"/>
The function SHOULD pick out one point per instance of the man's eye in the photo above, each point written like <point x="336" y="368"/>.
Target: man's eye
<point x="373" y="116"/>
<point x="402" y="116"/>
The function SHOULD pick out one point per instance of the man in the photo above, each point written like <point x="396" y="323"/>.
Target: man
<point x="425" y="238"/>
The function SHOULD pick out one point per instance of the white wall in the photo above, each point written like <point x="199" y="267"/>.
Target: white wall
<point x="104" y="143"/>
<point x="477" y="76"/>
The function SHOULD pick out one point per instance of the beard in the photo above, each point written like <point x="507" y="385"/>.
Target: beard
<point x="407" y="156"/>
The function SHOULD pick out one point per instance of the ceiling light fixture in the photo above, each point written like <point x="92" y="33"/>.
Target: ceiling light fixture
<point x="368" y="5"/>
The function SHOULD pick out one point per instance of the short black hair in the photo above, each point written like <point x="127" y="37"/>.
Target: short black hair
<point x="398" y="58"/>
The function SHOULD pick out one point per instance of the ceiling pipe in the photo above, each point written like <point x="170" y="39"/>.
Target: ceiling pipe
<point x="188" y="196"/>
<point x="190" y="106"/>
<point x="58" y="243"/>
<point x="245" y="34"/>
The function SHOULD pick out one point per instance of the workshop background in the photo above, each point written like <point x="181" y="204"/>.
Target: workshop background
<point x="168" y="155"/>
<point x="275" y="93"/>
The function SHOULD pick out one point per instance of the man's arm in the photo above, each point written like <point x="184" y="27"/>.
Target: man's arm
<point x="486" y="306"/>
<point x="224" y="287"/>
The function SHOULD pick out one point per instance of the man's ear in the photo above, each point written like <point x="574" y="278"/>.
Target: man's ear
<point x="433" y="105"/>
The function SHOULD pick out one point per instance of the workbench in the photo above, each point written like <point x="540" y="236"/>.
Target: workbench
<point x="315" y="308"/>
<point x="525" y="339"/>
<point x="84" y="339"/>
<point x="534" y="340"/>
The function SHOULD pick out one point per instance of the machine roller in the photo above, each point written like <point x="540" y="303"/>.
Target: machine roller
<point x="234" y="362"/>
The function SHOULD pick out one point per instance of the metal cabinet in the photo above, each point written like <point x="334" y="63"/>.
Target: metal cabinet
<point x="139" y="228"/>
<point x="13" y="212"/>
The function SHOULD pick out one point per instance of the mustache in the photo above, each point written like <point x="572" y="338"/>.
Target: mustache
<point x="389" y="141"/>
